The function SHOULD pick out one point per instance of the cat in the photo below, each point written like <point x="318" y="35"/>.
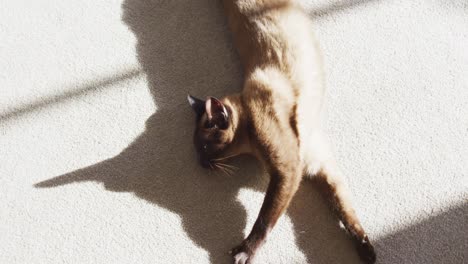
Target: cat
<point x="276" y="117"/>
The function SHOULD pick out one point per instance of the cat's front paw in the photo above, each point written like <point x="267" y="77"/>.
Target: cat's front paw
<point x="366" y="251"/>
<point x="242" y="254"/>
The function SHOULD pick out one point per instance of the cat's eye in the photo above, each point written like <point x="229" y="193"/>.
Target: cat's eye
<point x="205" y="147"/>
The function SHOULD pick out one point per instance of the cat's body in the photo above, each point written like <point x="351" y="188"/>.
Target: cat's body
<point x="282" y="64"/>
<point x="276" y="117"/>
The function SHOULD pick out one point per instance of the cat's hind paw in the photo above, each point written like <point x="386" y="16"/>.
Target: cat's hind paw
<point x="366" y="251"/>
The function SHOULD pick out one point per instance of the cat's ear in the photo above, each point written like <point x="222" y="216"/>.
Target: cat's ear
<point x="197" y="105"/>
<point x="217" y="112"/>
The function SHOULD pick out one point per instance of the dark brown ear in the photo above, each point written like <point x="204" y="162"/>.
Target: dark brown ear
<point x="217" y="112"/>
<point x="197" y="105"/>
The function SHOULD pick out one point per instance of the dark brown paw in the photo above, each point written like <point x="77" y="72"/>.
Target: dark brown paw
<point x="366" y="251"/>
<point x="242" y="254"/>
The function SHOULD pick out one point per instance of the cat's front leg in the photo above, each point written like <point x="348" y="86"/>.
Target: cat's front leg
<point x="282" y="187"/>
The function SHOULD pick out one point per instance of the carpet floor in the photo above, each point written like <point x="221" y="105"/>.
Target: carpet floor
<point x="96" y="156"/>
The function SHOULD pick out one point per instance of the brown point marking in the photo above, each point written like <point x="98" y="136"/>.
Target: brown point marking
<point x="293" y="120"/>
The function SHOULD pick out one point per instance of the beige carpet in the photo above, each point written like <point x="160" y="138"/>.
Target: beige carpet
<point x="96" y="159"/>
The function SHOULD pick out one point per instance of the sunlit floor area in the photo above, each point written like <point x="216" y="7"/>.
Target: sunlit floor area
<point x="96" y="156"/>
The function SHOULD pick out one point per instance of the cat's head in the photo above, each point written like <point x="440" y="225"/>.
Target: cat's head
<point x="214" y="130"/>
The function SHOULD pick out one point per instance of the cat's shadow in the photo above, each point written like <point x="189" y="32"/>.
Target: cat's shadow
<point x="184" y="46"/>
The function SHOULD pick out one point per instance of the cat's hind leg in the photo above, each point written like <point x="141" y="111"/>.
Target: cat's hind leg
<point x="321" y="167"/>
<point x="330" y="182"/>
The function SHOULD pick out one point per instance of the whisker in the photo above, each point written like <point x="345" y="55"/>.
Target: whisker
<point x="223" y="158"/>
<point x="228" y="172"/>
<point x="225" y="172"/>
<point x="226" y="168"/>
<point x="221" y="164"/>
<point x="231" y="166"/>
<point x="223" y="169"/>
<point x="210" y="171"/>
<point x="217" y="166"/>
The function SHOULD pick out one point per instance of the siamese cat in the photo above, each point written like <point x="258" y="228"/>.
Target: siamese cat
<point x="276" y="118"/>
